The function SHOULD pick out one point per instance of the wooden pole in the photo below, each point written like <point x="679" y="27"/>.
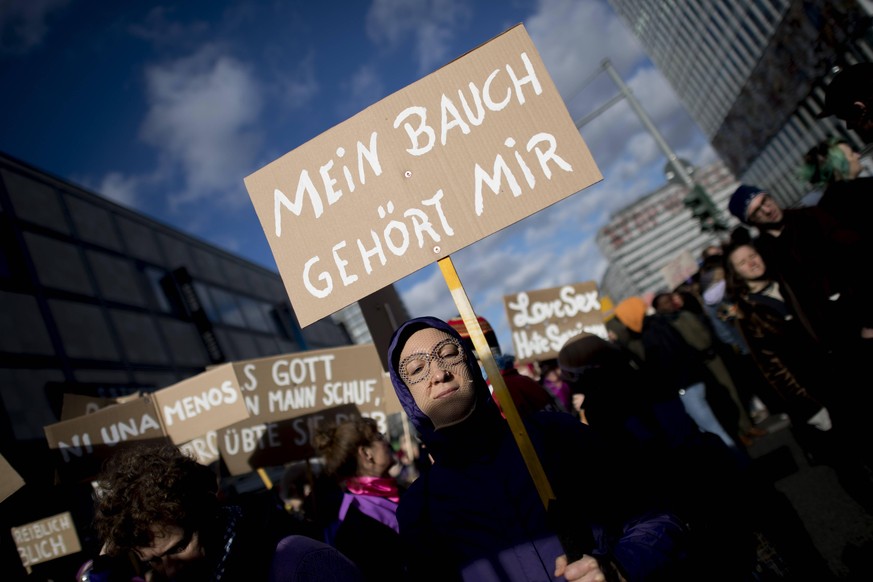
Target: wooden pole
<point x="265" y="478"/>
<point x="522" y="439"/>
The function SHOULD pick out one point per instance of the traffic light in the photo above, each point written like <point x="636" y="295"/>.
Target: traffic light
<point x="704" y="210"/>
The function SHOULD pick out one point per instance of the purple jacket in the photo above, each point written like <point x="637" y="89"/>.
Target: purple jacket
<point x="477" y="515"/>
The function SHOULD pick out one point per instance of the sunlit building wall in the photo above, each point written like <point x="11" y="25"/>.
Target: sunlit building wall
<point x="751" y="73"/>
<point x="642" y="238"/>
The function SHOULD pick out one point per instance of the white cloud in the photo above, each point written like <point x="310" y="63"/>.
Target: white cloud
<point x="430" y="24"/>
<point x="120" y="188"/>
<point x="202" y="117"/>
<point x="574" y="37"/>
<point x="25" y="23"/>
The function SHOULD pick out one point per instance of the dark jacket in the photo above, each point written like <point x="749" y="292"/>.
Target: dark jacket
<point x="256" y="540"/>
<point x="788" y="358"/>
<point x="850" y="202"/>
<point x="821" y="267"/>
<point x="477" y="514"/>
<point x="698" y="475"/>
<point x="371" y="544"/>
<point x="671" y="363"/>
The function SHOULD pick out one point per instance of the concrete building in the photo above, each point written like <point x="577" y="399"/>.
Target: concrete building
<point x="97" y="299"/>
<point x="751" y="73"/>
<point x="641" y="240"/>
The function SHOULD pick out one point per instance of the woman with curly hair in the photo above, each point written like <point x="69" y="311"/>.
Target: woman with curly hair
<point x="359" y="458"/>
<point x="163" y="508"/>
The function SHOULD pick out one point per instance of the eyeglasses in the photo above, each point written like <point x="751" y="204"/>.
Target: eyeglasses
<point x="415" y="368"/>
<point x="767" y="201"/>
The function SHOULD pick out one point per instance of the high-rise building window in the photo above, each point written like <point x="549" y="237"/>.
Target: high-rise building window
<point x="254" y="314"/>
<point x="154" y="277"/>
<point x="227" y="307"/>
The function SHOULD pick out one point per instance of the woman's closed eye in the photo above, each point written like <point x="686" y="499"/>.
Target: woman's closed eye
<point x="449" y="351"/>
<point x="415" y="367"/>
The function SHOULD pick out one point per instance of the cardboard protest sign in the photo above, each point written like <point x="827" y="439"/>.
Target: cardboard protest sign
<point x="46" y="539"/>
<point x="80" y="404"/>
<point x="392" y="403"/>
<point x="458" y="155"/>
<point x="281" y="387"/>
<point x="543" y="320"/>
<point x="679" y="269"/>
<point x="287" y="387"/>
<point x="208" y="401"/>
<point x="10" y="480"/>
<point x="84" y="442"/>
<point x="203" y="448"/>
<point x="245" y="447"/>
<point x="178" y="413"/>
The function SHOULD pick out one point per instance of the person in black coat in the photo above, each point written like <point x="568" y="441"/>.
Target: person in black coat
<point x="820" y="264"/>
<point x="695" y="474"/>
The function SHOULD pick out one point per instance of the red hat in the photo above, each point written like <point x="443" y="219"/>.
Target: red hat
<point x="461" y="328"/>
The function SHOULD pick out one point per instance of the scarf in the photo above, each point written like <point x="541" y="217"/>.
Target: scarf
<point x="376" y="486"/>
<point x="375" y="497"/>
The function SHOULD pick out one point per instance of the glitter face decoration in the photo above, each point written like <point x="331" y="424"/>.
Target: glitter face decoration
<point x="433" y="365"/>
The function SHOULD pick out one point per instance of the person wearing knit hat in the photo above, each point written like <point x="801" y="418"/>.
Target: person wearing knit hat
<point x="752" y="205"/>
<point x="817" y="258"/>
<point x="631" y="312"/>
<point x="625" y="327"/>
<point x="815" y="254"/>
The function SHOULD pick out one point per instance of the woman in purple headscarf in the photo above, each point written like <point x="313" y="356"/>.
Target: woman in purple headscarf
<point x="476" y="514"/>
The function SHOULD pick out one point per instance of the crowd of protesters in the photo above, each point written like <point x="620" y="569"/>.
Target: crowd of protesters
<point x="630" y="464"/>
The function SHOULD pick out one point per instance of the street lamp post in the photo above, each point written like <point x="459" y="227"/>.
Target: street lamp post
<point x="677" y="171"/>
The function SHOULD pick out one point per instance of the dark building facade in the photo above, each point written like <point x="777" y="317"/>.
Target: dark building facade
<point x="100" y="300"/>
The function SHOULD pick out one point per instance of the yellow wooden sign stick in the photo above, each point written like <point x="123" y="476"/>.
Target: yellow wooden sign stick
<point x="522" y="439"/>
<point x="268" y="483"/>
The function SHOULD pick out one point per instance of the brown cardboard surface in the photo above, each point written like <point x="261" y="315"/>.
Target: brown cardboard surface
<point x="392" y="403"/>
<point x="203" y="448"/>
<point x="79" y="404"/>
<point x="680" y="268"/>
<point x="208" y="401"/>
<point x="84" y="442"/>
<point x="46" y="539"/>
<point x="289" y="394"/>
<point x="542" y="321"/>
<point x="10" y="480"/>
<point x="291" y="385"/>
<point x="375" y="198"/>
<point x="246" y="446"/>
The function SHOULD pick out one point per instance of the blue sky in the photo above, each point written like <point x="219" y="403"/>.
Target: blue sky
<point x="166" y="107"/>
